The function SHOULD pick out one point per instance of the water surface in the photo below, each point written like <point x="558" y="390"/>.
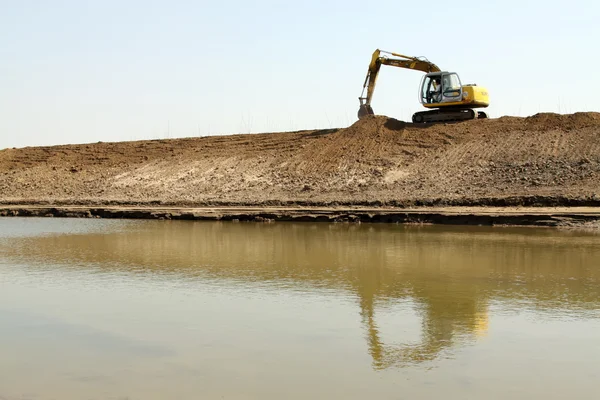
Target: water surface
<point x="105" y="309"/>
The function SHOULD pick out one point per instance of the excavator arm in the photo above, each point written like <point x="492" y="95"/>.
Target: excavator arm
<point x="399" y="60"/>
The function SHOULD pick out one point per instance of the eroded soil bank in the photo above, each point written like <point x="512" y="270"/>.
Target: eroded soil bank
<point x="565" y="217"/>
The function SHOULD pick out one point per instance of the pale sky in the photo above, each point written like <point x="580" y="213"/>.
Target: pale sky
<point x="77" y="71"/>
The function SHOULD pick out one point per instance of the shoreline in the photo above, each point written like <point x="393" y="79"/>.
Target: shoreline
<point x="454" y="215"/>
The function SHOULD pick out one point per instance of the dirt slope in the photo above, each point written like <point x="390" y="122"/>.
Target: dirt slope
<point x="378" y="159"/>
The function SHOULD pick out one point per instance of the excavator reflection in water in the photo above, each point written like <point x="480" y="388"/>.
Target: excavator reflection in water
<point x="445" y="322"/>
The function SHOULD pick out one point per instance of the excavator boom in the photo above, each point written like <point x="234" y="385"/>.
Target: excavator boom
<point x="399" y="60"/>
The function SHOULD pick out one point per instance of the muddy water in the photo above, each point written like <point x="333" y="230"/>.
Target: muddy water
<point x="96" y="309"/>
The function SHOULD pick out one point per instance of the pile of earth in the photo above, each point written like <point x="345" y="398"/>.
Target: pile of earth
<point x="549" y="159"/>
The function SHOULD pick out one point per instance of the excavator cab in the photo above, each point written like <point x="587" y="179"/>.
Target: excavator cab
<point x="440" y="87"/>
<point x="448" y="100"/>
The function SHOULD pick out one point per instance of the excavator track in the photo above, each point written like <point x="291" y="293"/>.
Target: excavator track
<point x="424" y="117"/>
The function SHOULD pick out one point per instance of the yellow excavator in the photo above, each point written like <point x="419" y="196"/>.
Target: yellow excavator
<point x="441" y="91"/>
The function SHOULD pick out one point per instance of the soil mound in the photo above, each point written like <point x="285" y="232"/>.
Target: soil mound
<point x="570" y="121"/>
<point x="375" y="160"/>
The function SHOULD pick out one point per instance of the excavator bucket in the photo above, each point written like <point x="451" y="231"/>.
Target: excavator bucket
<point x="364" y="110"/>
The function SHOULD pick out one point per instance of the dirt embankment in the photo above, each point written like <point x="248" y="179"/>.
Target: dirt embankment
<point x="546" y="159"/>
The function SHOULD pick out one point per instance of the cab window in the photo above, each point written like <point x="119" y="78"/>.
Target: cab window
<point x="451" y="86"/>
<point x="431" y="90"/>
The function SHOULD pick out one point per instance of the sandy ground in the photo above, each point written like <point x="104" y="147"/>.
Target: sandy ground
<point x="543" y="160"/>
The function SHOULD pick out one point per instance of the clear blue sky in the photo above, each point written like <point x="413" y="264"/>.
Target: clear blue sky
<point x="85" y="71"/>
